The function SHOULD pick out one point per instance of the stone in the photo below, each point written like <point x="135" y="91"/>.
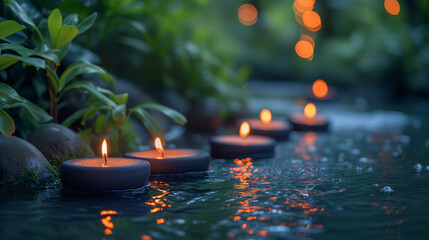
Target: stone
<point x="57" y="142"/>
<point x="21" y="162"/>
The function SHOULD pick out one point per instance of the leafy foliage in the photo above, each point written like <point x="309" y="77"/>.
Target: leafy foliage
<point x="9" y="98"/>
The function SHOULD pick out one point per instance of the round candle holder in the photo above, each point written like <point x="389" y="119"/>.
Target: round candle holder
<point x="276" y="129"/>
<point x="89" y="174"/>
<point x="234" y="146"/>
<point x="175" y="161"/>
<point x="317" y="124"/>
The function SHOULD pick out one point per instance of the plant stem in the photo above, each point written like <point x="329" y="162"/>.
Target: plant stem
<point x="53" y="103"/>
<point x="120" y="139"/>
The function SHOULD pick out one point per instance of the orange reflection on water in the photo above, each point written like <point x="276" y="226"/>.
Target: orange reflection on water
<point x="159" y="202"/>
<point x="106" y="221"/>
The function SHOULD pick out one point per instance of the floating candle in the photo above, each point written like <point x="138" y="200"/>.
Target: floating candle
<point x="309" y="121"/>
<point x="172" y="161"/>
<point x="101" y="174"/>
<point x="267" y="127"/>
<point x="233" y="146"/>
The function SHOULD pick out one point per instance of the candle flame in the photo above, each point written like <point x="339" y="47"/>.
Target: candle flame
<point x="265" y="116"/>
<point x="310" y="111"/>
<point x="320" y="88"/>
<point x="159" y="147"/>
<point x="244" y="129"/>
<point x="104" y="148"/>
<point x="104" y="152"/>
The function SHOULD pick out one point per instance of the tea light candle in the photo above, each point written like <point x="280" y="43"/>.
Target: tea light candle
<point x="267" y="127"/>
<point x="233" y="146"/>
<point x="102" y="174"/>
<point x="309" y="121"/>
<point x="173" y="161"/>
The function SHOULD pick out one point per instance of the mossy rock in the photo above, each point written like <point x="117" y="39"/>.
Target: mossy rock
<point x="59" y="143"/>
<point x="21" y="163"/>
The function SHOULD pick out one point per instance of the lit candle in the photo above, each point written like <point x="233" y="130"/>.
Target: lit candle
<point x="265" y="126"/>
<point x="105" y="173"/>
<point x="242" y="145"/>
<point x="172" y="161"/>
<point x="309" y="121"/>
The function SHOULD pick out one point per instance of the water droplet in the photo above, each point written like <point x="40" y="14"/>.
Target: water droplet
<point x="418" y="167"/>
<point x="387" y="189"/>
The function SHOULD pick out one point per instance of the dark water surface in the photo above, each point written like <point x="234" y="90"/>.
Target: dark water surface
<point x="319" y="186"/>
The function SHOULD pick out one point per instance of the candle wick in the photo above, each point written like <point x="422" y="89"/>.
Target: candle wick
<point x="105" y="159"/>
<point x="162" y="155"/>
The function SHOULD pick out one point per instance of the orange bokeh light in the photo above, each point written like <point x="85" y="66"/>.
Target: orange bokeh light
<point x="311" y="20"/>
<point x="320" y="88"/>
<point x="265" y="116"/>
<point x="301" y="6"/>
<point x="244" y="129"/>
<point x="306" y="3"/>
<point x="308" y="38"/>
<point x="304" y="49"/>
<point x="392" y="6"/>
<point x="159" y="147"/>
<point x="310" y="111"/>
<point x="247" y="14"/>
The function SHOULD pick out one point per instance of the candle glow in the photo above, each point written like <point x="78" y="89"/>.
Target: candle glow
<point x="310" y="111"/>
<point x="159" y="147"/>
<point x="244" y="129"/>
<point x="104" y="152"/>
<point x="265" y="116"/>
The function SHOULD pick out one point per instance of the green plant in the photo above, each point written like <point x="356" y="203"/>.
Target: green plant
<point x="49" y="52"/>
<point x="113" y="113"/>
<point x="9" y="98"/>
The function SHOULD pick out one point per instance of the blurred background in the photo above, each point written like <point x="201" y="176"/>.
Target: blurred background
<point x="187" y="53"/>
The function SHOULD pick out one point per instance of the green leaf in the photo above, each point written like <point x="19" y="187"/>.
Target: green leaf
<point x="171" y="113"/>
<point x="92" y="90"/>
<point x="7" y="60"/>
<point x="71" y="20"/>
<point x="63" y="51"/>
<point x="65" y="35"/>
<point x="89" y="113"/>
<point x="119" y="113"/>
<point x="38" y="113"/>
<point x="9" y="27"/>
<point x="8" y="95"/>
<point x="17" y="10"/>
<point x="43" y="51"/>
<point x="74" y="117"/>
<point x="87" y="23"/>
<point x="99" y="125"/>
<point x="7" y="126"/>
<point x="82" y="67"/>
<point x="55" y="22"/>
<point x="149" y="122"/>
